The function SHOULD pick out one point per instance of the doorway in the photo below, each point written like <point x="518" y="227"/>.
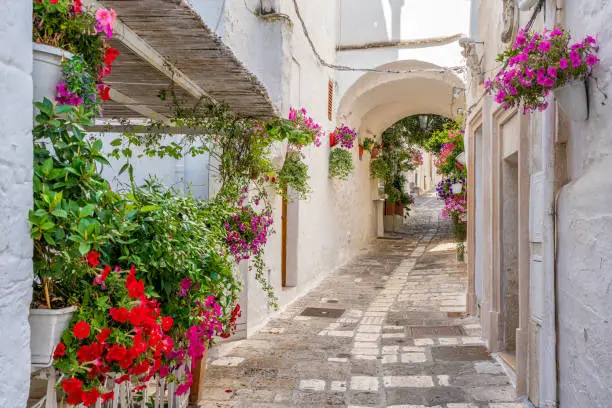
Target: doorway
<point x="509" y="258"/>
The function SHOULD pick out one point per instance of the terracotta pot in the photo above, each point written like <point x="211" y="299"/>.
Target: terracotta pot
<point x="399" y="209"/>
<point x="360" y="152"/>
<point x="375" y="153"/>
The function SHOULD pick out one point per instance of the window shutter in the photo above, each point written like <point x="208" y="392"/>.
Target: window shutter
<point x="330" y="99"/>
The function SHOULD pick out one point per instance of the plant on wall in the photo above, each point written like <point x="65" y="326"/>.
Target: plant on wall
<point x="293" y="178"/>
<point x="539" y="62"/>
<point x="340" y="164"/>
<point x="368" y="144"/>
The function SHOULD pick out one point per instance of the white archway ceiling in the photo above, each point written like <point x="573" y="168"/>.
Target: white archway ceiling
<point x="376" y="101"/>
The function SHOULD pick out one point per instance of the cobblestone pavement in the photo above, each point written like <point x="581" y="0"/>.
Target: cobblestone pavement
<point x="396" y="336"/>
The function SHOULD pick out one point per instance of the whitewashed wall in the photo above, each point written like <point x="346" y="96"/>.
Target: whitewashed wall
<point x="585" y="232"/>
<point x="15" y="200"/>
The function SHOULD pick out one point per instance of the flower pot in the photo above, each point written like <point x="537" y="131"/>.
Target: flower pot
<point x="375" y="152"/>
<point x="278" y="152"/>
<point x="360" y="152"/>
<point x="332" y="139"/>
<point x="456" y="188"/>
<point x="47" y="70"/>
<point x="573" y="98"/>
<point x="46" y="328"/>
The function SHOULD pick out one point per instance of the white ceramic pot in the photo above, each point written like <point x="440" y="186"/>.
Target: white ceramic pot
<point x="278" y="153"/>
<point x="573" y="100"/>
<point x="47" y="70"/>
<point x="46" y="328"/>
<point x="456" y="188"/>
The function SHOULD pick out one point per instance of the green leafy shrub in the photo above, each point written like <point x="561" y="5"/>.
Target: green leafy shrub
<point x="340" y="164"/>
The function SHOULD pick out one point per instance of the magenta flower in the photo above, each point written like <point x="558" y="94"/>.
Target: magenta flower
<point x="105" y="20"/>
<point x="591" y="60"/>
<point x="563" y="63"/>
<point x="545" y="46"/>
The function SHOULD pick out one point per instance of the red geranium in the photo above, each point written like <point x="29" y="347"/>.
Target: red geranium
<point x="81" y="330"/>
<point x="103" y="335"/>
<point x="167" y="323"/>
<point x="72" y="385"/>
<point x="116" y="353"/>
<point x="90" y="397"/>
<point x="77" y="6"/>
<point x="119" y="314"/>
<point x="93" y="258"/>
<point x="136" y="289"/>
<point x="110" y="55"/>
<point x="60" y="351"/>
<point x="105" y="93"/>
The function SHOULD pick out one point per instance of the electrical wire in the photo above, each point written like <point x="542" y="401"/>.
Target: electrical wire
<point x="347" y="68"/>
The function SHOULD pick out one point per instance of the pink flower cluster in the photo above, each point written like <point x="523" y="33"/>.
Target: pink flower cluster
<point x="538" y="63"/>
<point x="447" y="150"/>
<point x="304" y="122"/>
<point x="455" y="205"/>
<point x="105" y="19"/>
<point x="247" y="231"/>
<point x="417" y="157"/>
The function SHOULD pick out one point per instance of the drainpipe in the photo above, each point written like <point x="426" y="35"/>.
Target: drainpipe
<point x="548" y="344"/>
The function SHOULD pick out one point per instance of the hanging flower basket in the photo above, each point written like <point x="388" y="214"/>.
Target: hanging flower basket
<point x="540" y="63"/>
<point x="46" y="328"/>
<point x="47" y="70"/>
<point x="456" y="188"/>
<point x="375" y="152"/>
<point x="573" y="99"/>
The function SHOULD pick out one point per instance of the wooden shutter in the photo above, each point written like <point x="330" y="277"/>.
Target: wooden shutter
<point x="330" y="99"/>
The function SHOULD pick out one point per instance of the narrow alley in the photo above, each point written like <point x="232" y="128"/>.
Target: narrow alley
<point x="387" y="330"/>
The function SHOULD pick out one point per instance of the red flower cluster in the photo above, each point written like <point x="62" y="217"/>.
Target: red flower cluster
<point x="138" y="358"/>
<point x="110" y="54"/>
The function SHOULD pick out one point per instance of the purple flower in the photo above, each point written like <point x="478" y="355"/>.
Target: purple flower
<point x="552" y="71"/>
<point x="545" y="46"/>
<point x="563" y="63"/>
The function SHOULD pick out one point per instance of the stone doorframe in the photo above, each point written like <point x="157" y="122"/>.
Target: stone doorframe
<point x="500" y="118"/>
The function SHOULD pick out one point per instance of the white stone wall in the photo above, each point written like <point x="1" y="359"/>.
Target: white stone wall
<point x="15" y="200"/>
<point x="585" y="238"/>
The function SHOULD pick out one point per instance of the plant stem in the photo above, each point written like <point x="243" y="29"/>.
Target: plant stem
<point x="46" y="286"/>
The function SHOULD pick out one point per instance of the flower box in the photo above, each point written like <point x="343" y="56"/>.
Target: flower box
<point x="46" y="328"/>
<point x="47" y="70"/>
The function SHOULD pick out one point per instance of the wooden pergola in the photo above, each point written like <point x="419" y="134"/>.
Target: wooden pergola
<point x="165" y="43"/>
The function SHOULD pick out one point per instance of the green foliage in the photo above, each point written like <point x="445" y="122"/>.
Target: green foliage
<point x="417" y="129"/>
<point x="380" y="169"/>
<point x="177" y="237"/>
<point x="340" y="164"/>
<point x="75" y="210"/>
<point x="294" y="175"/>
<point x="78" y="80"/>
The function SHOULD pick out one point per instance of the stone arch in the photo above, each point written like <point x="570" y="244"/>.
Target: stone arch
<point x="377" y="100"/>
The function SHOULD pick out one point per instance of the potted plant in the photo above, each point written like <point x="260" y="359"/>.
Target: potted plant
<point x="375" y="151"/>
<point x="340" y="164"/>
<point x="63" y="29"/>
<point x="368" y="144"/>
<point x="538" y="63"/>
<point x="332" y="140"/>
<point x="361" y="152"/>
<point x="345" y="136"/>
<point x="74" y="211"/>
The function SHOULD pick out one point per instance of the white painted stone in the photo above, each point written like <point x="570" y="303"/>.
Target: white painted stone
<point x="363" y="383"/>
<point x="367" y="336"/>
<point x="448" y="341"/>
<point x="423" y="342"/>
<point x="487" y="367"/>
<point x="338" y="386"/>
<point x="365" y="351"/>
<point x="389" y="359"/>
<point x="312" y="385"/>
<point x="365" y="344"/>
<point x="412" y="381"/>
<point x="337" y="360"/>
<point x="471" y="340"/>
<point x="393" y="335"/>
<point x="390" y="349"/>
<point x="443" y="380"/>
<point x="393" y="328"/>
<point x="461" y="405"/>
<point x="414" y="349"/>
<point x="413" y="357"/>
<point x="228" y="361"/>
<point x="371" y="320"/>
<point x="366" y="328"/>
<point x="340" y="333"/>
<point x="364" y="357"/>
<point x="302" y="318"/>
<point x="506" y="405"/>
<point x="375" y="314"/>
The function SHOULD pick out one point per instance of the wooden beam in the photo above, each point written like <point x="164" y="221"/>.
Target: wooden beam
<point x="136" y="106"/>
<point x="145" y="51"/>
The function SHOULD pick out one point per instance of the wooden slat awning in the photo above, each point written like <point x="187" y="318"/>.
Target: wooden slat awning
<point x="165" y="41"/>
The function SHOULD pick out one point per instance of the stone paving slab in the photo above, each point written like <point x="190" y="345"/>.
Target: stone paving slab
<point x="403" y="340"/>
